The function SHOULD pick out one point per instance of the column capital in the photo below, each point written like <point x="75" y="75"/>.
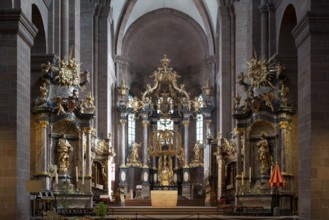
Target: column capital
<point x="186" y="123"/>
<point x="87" y="129"/>
<point x="145" y="123"/>
<point x="42" y="123"/>
<point x="208" y="121"/>
<point x="237" y="131"/>
<point x="123" y="122"/>
<point x="284" y="124"/>
<point x="263" y="9"/>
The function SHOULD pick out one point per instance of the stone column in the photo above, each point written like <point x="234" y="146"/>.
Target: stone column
<point x="64" y="28"/>
<point x="123" y="142"/>
<point x="286" y="160"/>
<point x="271" y="28"/>
<point x="41" y="151"/>
<point x="264" y="28"/>
<point x="17" y="34"/>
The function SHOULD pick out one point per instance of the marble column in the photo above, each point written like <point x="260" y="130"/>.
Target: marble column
<point x="64" y="28"/>
<point x="145" y="140"/>
<point x="237" y="133"/>
<point x="177" y="145"/>
<point x="219" y="175"/>
<point x="186" y="186"/>
<point x="123" y="142"/>
<point x="186" y="142"/>
<point x="88" y="153"/>
<point x="207" y="151"/>
<point x="264" y="28"/>
<point x="81" y="156"/>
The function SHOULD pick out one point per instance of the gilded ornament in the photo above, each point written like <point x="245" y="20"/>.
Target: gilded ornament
<point x="69" y="74"/>
<point x="134" y="157"/>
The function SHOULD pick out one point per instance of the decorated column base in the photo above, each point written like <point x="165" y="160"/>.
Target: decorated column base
<point x="186" y="186"/>
<point x="145" y="183"/>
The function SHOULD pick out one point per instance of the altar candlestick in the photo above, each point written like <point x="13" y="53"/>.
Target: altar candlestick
<point x="76" y="173"/>
<point x="242" y="179"/>
<point x="250" y="174"/>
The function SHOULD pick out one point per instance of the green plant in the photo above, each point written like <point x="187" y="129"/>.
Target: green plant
<point x="101" y="209"/>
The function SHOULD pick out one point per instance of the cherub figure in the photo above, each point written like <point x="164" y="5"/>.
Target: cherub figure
<point x="59" y="105"/>
<point x="43" y="92"/>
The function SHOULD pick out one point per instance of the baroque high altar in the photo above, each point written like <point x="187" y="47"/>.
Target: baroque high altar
<point x="163" y="159"/>
<point x="70" y="159"/>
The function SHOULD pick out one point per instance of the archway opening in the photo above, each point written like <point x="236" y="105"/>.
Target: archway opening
<point x="287" y="55"/>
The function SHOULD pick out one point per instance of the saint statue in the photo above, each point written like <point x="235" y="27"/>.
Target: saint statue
<point x="64" y="149"/>
<point x="198" y="155"/>
<point x="134" y="157"/>
<point x="264" y="156"/>
<point x="166" y="174"/>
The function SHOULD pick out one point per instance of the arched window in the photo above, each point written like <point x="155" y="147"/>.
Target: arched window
<point x="199" y="128"/>
<point x="131" y="128"/>
<point x="199" y="123"/>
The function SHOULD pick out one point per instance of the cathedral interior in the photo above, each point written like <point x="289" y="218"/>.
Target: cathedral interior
<point x="221" y="102"/>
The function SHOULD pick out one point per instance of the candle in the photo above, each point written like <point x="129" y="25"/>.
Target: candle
<point x="249" y="174"/>
<point x="76" y="173"/>
<point x="242" y="179"/>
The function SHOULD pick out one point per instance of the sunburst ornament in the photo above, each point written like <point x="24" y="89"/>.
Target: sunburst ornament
<point x="259" y="72"/>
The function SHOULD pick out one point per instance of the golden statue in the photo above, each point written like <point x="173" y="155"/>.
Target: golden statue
<point x="264" y="157"/>
<point x="64" y="149"/>
<point x="134" y="157"/>
<point x="198" y="155"/>
<point x="166" y="173"/>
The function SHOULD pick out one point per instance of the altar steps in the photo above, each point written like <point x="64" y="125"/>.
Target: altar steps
<point x="180" y="202"/>
<point x="150" y="211"/>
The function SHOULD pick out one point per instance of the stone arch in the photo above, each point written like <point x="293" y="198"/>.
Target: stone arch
<point x="39" y="46"/>
<point x="147" y="39"/>
<point x="287" y="51"/>
<point x="288" y="55"/>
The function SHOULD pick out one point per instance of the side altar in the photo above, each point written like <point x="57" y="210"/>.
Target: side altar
<point x="262" y="137"/>
<point x="68" y="158"/>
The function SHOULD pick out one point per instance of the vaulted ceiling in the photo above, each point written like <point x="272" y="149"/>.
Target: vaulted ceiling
<point x="148" y="29"/>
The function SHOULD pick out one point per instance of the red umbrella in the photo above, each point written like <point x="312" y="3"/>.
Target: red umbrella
<point x="276" y="177"/>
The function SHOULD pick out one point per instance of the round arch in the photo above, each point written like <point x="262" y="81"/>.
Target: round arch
<point x="39" y="46"/>
<point x="165" y="31"/>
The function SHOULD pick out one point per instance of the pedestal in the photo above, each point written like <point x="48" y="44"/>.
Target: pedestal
<point x="145" y="183"/>
<point x="186" y="186"/>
